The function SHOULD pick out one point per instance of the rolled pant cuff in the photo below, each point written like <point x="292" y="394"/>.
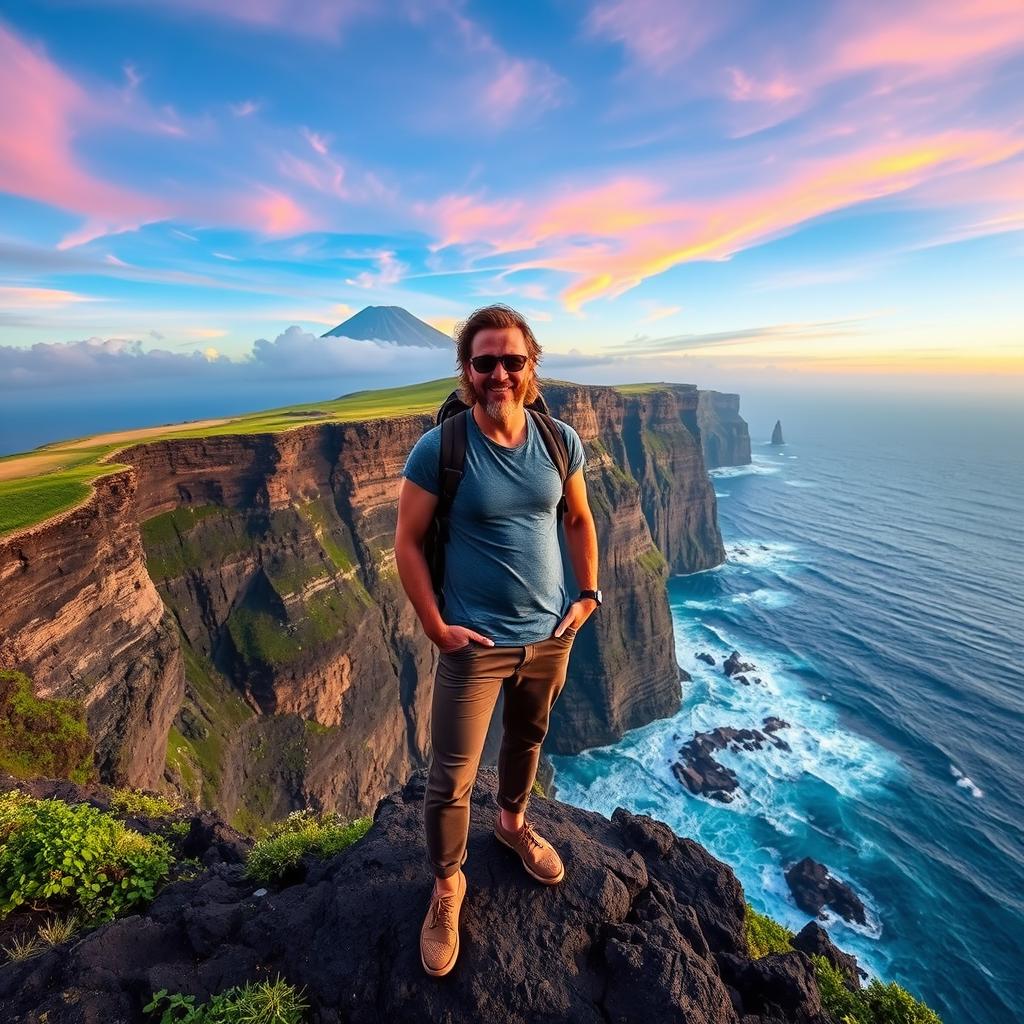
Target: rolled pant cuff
<point x="445" y="872"/>
<point x="511" y="806"/>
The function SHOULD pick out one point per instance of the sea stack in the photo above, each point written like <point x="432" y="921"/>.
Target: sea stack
<point x="777" y="433"/>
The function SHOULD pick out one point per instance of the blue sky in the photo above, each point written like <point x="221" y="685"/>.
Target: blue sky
<point x="723" y="194"/>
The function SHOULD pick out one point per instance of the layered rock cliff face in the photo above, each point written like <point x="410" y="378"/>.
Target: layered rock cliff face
<point x="80" y="613"/>
<point x="245" y="588"/>
<point x="723" y="432"/>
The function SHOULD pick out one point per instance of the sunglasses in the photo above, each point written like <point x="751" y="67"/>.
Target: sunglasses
<point x="486" y="364"/>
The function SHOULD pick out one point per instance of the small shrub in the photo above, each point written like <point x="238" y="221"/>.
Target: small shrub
<point x="876" y="1004"/>
<point x="40" y="737"/>
<point x="58" y="929"/>
<point x="284" y="843"/>
<point x="23" y="949"/>
<point x="265" y="1002"/>
<point x="58" y="854"/>
<point x="135" y="804"/>
<point x="538" y="789"/>
<point x="765" y="935"/>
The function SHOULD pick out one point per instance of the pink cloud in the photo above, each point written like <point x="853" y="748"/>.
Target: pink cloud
<point x="610" y="237"/>
<point x="659" y="35"/>
<point x="930" y="38"/>
<point x="41" y="108"/>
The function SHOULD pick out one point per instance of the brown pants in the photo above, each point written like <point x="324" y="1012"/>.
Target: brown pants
<point x="465" y="691"/>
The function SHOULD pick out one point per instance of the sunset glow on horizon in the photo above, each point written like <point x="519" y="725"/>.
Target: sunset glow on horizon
<point x="739" y="192"/>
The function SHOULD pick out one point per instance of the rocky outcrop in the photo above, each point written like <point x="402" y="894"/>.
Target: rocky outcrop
<point x="723" y="432"/>
<point x="703" y="775"/>
<point x="813" y="940"/>
<point x="645" y="926"/>
<point x="813" y="888"/>
<point x="777" y="433"/>
<point x="244" y="587"/>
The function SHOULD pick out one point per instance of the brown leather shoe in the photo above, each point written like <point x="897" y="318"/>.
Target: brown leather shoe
<point x="439" y="936"/>
<point x="538" y="856"/>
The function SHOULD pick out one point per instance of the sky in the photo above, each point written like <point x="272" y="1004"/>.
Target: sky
<point x="727" y="194"/>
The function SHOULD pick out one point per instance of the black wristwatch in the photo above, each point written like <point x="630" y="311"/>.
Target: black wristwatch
<point x="595" y="594"/>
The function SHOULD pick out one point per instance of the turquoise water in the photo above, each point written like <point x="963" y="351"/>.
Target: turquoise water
<point x="874" y="574"/>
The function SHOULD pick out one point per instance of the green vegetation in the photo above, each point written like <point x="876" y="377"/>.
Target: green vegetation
<point x="222" y="712"/>
<point x="136" y="804"/>
<point x="327" y="528"/>
<point x="538" y="789"/>
<point x="284" y="843"/>
<point x="765" y="935"/>
<point x="653" y="562"/>
<point x="264" y="1002"/>
<point x="40" y="737"/>
<point x="260" y="636"/>
<point x="875" y="1004"/>
<point x="642" y="389"/>
<point x="60" y="855"/>
<point x="173" y="545"/>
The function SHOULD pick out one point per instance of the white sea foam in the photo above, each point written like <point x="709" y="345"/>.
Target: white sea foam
<point x="772" y="555"/>
<point x="722" y="494"/>
<point x="800" y="483"/>
<point x="758" y="465"/>
<point x="965" y="782"/>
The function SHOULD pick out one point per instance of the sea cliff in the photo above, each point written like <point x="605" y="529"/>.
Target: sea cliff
<point x="229" y="612"/>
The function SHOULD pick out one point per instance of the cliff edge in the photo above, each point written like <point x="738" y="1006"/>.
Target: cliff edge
<point x="646" y="926"/>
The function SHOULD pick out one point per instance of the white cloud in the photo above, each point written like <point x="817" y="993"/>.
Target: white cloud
<point x="294" y="355"/>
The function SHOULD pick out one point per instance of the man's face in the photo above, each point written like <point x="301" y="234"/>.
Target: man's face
<point x="500" y="392"/>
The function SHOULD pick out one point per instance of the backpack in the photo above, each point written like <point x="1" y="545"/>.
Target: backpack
<point x="452" y="419"/>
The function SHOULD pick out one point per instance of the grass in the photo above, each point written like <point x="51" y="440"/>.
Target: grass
<point x="262" y="1002"/>
<point x="40" y="737"/>
<point x="284" y="843"/>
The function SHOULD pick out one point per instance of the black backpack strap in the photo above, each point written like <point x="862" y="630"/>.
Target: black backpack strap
<point x="452" y="459"/>
<point x="554" y="441"/>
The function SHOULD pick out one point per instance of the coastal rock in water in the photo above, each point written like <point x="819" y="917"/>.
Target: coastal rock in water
<point x="706" y="658"/>
<point x="813" y="888"/>
<point x="733" y="665"/>
<point x="646" y="926"/>
<point x="703" y="775"/>
<point x="777" y="433"/>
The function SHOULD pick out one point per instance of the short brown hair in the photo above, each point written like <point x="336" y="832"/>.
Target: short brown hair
<point x="496" y="315"/>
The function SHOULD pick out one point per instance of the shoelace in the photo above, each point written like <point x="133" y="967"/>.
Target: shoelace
<point x="444" y="908"/>
<point x="528" y="834"/>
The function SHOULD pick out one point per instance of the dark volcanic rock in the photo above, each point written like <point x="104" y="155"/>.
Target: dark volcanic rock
<point x="646" y="926"/>
<point x="702" y="774"/>
<point x="813" y="887"/>
<point x="813" y="939"/>
<point x="732" y="664"/>
<point x="706" y="658"/>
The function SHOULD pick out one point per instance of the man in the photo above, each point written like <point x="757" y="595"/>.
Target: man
<point x="508" y="621"/>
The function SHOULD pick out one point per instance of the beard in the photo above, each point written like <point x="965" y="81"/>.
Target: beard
<point x="502" y="409"/>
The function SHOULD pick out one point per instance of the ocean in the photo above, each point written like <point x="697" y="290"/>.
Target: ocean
<point x="874" y="576"/>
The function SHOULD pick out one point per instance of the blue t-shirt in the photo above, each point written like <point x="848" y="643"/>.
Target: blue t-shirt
<point x="503" y="566"/>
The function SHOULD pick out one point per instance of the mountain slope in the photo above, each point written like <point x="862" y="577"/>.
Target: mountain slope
<point x="392" y="324"/>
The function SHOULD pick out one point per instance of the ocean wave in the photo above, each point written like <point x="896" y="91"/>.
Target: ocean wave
<point x="721" y="494"/>
<point x="965" y="782"/>
<point x="800" y="483"/>
<point x="758" y="466"/>
<point x="760" y="554"/>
